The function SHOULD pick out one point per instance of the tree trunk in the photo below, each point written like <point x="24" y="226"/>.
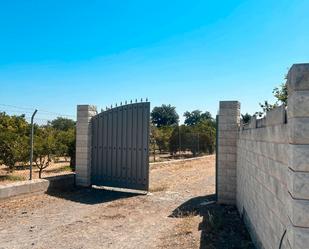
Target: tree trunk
<point x="40" y="173"/>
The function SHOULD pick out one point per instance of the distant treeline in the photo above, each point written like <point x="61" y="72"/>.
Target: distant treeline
<point x="197" y="134"/>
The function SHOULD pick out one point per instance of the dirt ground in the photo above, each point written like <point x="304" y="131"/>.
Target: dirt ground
<point x="173" y="215"/>
<point x="22" y="173"/>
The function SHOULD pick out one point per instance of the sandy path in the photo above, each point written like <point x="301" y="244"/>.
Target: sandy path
<point x="89" y="218"/>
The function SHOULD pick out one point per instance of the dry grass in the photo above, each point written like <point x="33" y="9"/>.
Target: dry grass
<point x="22" y="173"/>
<point x="12" y="178"/>
<point x="184" y="235"/>
<point x="158" y="188"/>
<point x="112" y="217"/>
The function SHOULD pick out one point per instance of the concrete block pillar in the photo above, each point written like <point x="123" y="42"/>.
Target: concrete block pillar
<point x="228" y="126"/>
<point x="83" y="144"/>
<point x="298" y="171"/>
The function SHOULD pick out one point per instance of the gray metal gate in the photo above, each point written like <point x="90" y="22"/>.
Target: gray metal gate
<point x="120" y="147"/>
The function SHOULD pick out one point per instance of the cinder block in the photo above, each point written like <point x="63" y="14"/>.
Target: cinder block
<point x="228" y="127"/>
<point x="83" y="155"/>
<point x="229" y="105"/>
<point x="299" y="157"/>
<point x="276" y="116"/>
<point x="298" y="104"/>
<point x="298" y="211"/>
<point x="227" y="119"/>
<point x="84" y="120"/>
<point x="83" y="182"/>
<point x="229" y="112"/>
<point x="84" y="131"/>
<point x="299" y="130"/>
<point x="298" y="184"/>
<point x="298" y="77"/>
<point x="227" y="142"/>
<point x="80" y="149"/>
<point x="88" y="108"/>
<point x="82" y="137"/>
<point x="298" y="237"/>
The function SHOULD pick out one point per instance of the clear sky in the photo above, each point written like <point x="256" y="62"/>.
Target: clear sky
<point x="191" y="54"/>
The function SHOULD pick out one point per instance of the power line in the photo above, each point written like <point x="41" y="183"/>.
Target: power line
<point x="28" y="109"/>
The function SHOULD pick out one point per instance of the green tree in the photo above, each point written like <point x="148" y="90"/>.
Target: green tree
<point x="198" y="138"/>
<point x="164" y="115"/>
<point x="44" y="147"/>
<point x="65" y="134"/>
<point x="281" y="95"/>
<point x="162" y="137"/>
<point x="62" y="124"/>
<point x="179" y="139"/>
<point x="206" y="131"/>
<point x="65" y="144"/>
<point x="14" y="145"/>
<point x="194" y="117"/>
<point x="246" y="118"/>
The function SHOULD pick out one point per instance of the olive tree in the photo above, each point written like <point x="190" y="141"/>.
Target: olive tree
<point x="14" y="145"/>
<point x="44" y="147"/>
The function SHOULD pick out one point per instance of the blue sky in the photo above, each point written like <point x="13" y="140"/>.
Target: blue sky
<point x="191" y="54"/>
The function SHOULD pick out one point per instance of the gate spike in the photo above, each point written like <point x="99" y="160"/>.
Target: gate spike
<point x="102" y="110"/>
<point x="111" y="106"/>
<point x="146" y="99"/>
<point x="131" y="101"/>
<point x="135" y="100"/>
<point x="106" y="108"/>
<point x="116" y="104"/>
<point x="121" y="103"/>
<point x="141" y="99"/>
<point x="125" y="102"/>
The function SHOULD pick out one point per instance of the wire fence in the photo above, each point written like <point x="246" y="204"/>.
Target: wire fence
<point x="181" y="145"/>
<point x="55" y="165"/>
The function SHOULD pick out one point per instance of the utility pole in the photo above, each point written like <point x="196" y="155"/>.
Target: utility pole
<point x="31" y="143"/>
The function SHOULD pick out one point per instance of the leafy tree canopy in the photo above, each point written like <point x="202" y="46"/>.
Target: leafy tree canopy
<point x="62" y="124"/>
<point x="14" y="145"/>
<point x="281" y="95"/>
<point x="196" y="116"/>
<point x="246" y="118"/>
<point x="164" y="115"/>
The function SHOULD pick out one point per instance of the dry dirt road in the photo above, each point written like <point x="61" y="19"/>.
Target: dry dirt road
<point x="92" y="218"/>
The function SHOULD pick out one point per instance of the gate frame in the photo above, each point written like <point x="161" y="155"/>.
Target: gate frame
<point x="84" y="146"/>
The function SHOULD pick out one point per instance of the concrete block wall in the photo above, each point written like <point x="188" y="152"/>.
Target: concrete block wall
<point x="228" y="125"/>
<point x="272" y="168"/>
<point x="298" y="172"/>
<point x="83" y="144"/>
<point x="262" y="165"/>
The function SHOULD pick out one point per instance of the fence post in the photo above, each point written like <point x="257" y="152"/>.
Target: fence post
<point x="83" y="144"/>
<point x="228" y="125"/>
<point x="31" y="143"/>
<point x="298" y="171"/>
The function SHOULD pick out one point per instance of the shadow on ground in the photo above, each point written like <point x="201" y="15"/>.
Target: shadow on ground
<point x="221" y="226"/>
<point x="91" y="195"/>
